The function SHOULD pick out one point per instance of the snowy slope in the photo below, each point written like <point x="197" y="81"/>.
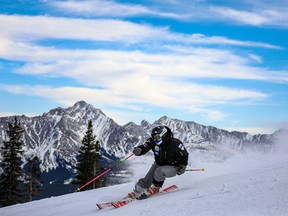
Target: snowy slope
<point x="253" y="184"/>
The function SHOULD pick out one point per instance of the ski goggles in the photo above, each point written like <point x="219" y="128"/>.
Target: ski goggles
<point x="156" y="137"/>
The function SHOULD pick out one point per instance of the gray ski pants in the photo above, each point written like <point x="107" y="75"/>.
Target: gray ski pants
<point x="159" y="173"/>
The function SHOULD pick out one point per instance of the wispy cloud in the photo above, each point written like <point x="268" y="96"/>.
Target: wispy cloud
<point x="108" y="8"/>
<point x="242" y="16"/>
<point x="256" y="130"/>
<point x="191" y="97"/>
<point x="101" y="8"/>
<point x="256" y="18"/>
<point x="41" y="27"/>
<point x="31" y="28"/>
<point x="187" y="62"/>
<point x="3" y="114"/>
<point x="257" y="13"/>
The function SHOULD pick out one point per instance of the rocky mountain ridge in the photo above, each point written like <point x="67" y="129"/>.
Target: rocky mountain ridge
<point x="55" y="137"/>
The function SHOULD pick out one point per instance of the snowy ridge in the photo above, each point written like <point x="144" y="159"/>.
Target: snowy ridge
<point x="250" y="184"/>
<point x="56" y="135"/>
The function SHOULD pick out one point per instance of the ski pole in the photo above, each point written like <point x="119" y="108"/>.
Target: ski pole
<point x="126" y="158"/>
<point x="103" y="173"/>
<point x="195" y="169"/>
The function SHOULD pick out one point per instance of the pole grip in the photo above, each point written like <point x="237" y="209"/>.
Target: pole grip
<point x="196" y="169"/>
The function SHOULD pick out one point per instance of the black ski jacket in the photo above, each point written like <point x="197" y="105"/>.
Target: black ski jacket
<point x="170" y="152"/>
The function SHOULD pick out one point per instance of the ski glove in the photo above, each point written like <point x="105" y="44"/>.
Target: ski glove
<point x="137" y="151"/>
<point x="181" y="169"/>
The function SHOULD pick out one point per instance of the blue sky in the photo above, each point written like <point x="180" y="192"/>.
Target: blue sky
<point x="220" y="63"/>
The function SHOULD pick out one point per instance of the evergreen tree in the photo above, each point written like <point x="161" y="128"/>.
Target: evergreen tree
<point x="33" y="184"/>
<point x="11" y="178"/>
<point x="88" y="164"/>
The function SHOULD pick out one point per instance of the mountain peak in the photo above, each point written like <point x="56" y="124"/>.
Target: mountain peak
<point x="80" y="104"/>
<point x="144" y="123"/>
<point x="85" y="107"/>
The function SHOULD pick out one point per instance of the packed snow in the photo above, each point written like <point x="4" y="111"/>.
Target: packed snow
<point x="250" y="184"/>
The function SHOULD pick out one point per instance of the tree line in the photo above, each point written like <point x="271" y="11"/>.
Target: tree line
<point x="18" y="185"/>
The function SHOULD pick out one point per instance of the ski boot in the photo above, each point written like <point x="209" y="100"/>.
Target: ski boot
<point x="149" y="192"/>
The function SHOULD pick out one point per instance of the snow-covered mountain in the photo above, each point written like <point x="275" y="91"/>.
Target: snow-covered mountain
<point x="55" y="136"/>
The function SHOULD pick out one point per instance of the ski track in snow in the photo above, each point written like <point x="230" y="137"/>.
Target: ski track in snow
<point x="245" y="185"/>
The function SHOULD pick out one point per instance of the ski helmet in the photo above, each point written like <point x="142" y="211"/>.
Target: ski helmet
<point x="158" y="134"/>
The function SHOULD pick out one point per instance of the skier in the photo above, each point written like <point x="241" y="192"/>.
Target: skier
<point x="171" y="158"/>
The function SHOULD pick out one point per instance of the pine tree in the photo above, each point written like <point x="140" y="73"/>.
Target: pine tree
<point x="11" y="178"/>
<point x="33" y="184"/>
<point x="88" y="164"/>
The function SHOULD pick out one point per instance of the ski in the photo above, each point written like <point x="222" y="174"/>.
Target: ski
<point x="124" y="202"/>
<point x="109" y="204"/>
<point x="127" y="199"/>
<point x="104" y="205"/>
